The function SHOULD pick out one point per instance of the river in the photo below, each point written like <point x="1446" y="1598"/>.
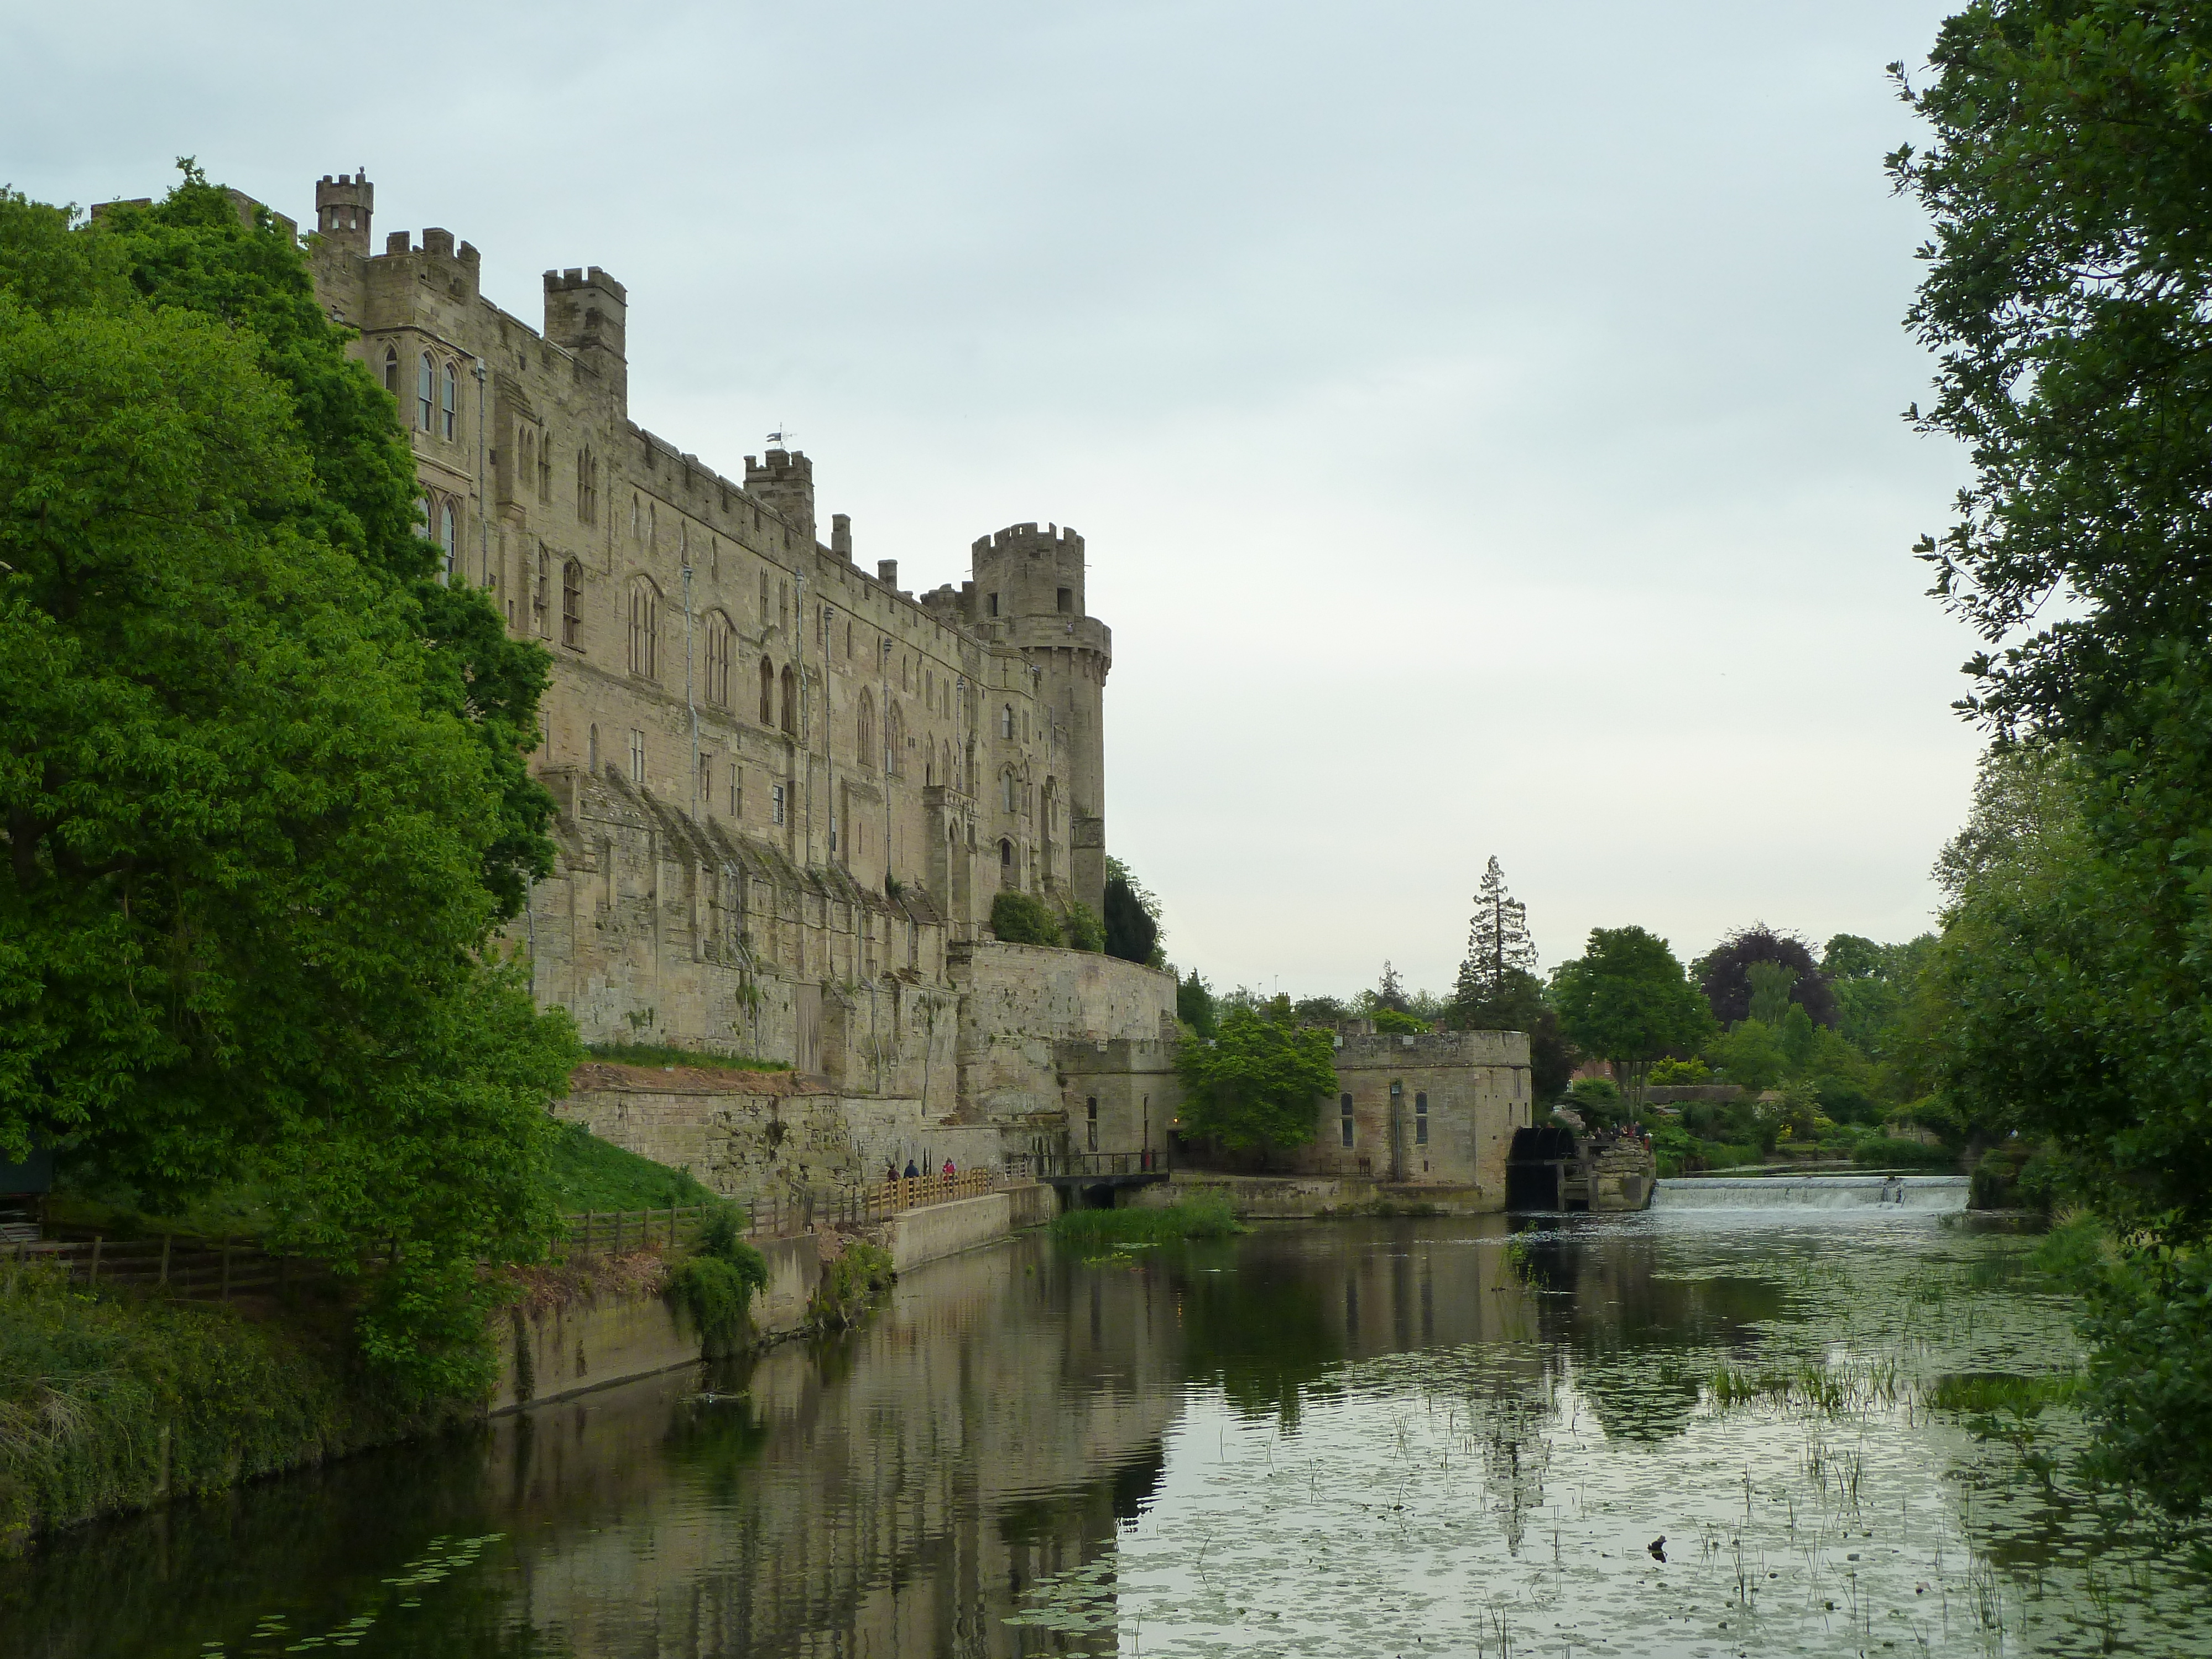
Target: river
<point x="1375" y="1437"/>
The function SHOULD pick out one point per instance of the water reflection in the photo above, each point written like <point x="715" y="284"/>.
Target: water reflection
<point x="1377" y="1437"/>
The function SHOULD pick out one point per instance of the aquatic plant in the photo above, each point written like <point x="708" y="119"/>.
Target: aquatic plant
<point x="861" y="1273"/>
<point x="1202" y="1215"/>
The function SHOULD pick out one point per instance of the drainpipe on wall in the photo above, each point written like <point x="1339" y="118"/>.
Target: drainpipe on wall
<point x="689" y="706"/>
<point x="484" y="518"/>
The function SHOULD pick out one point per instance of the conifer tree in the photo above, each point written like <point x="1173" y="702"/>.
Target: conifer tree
<point x="1498" y="947"/>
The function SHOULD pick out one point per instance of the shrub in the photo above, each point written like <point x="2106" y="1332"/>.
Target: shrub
<point x="1019" y="918"/>
<point x="1391" y="1023"/>
<point x="850" y="1283"/>
<point x="1597" y="1102"/>
<point x="1083" y="929"/>
<point x="1665" y="1072"/>
<point x="717" y="1285"/>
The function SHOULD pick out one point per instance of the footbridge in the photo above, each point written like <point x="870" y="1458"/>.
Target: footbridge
<point x="1094" y="1180"/>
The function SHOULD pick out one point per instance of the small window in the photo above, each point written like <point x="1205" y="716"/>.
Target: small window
<point x="790" y="701"/>
<point x="767" y="692"/>
<point x="591" y="752"/>
<point x="392" y="370"/>
<point x="1006" y="722"/>
<point x="426" y="383"/>
<point x="848" y="642"/>
<point x="1005" y="855"/>
<point x="833" y="829"/>
<point x="720" y="637"/>
<point x="775" y="801"/>
<point x="1068" y="601"/>
<point x="1344" y="1106"/>
<point x="448" y="401"/>
<point x="1090" y="1124"/>
<point x="764" y="599"/>
<point x="867" y="734"/>
<point x="1421" y="1120"/>
<point x="737" y="792"/>
<point x="637" y="757"/>
<point x="587" y="488"/>
<point x="994" y="605"/>
<point x="446" y="537"/>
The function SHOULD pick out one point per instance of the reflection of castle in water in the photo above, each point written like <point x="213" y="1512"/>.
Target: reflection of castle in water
<point x="893" y="1493"/>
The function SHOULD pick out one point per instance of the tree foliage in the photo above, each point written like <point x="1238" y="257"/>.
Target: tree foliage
<point x="1627" y="999"/>
<point x="1724" y="972"/>
<point x="260" y="824"/>
<point x="1498" y="946"/>
<point x="1390" y="991"/>
<point x="1194" y="1004"/>
<point x="1020" y="918"/>
<point x="2067" y="295"/>
<point x="1257" y="1085"/>
<point x="1132" y="916"/>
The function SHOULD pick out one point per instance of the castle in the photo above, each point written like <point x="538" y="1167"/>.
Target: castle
<point x="788" y="790"/>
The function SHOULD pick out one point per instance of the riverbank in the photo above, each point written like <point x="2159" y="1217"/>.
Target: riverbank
<point x="121" y="1401"/>
<point x="1315" y="1198"/>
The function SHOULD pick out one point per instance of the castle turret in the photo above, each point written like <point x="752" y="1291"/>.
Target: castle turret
<point x="783" y="481"/>
<point x="343" y="207"/>
<point x="588" y="313"/>
<point x="1029" y="582"/>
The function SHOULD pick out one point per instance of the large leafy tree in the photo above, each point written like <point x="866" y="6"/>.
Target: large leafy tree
<point x="1257" y="1085"/>
<point x="260" y="820"/>
<point x="1627" y="999"/>
<point x="2069" y="296"/>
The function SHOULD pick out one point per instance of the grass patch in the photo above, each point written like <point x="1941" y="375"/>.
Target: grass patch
<point x="1831" y="1390"/>
<point x="655" y="1053"/>
<point x="1201" y="1216"/>
<point x="102" y="1395"/>
<point x="584" y="1172"/>
<point x="1985" y="1393"/>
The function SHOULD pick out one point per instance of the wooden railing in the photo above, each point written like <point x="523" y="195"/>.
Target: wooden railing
<point x="1100" y="1165"/>
<point x="202" y="1269"/>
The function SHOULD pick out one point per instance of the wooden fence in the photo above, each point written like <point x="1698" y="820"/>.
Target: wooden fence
<point x="213" y="1270"/>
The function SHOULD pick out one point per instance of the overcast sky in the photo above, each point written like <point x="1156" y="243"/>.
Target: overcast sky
<point x="1485" y="420"/>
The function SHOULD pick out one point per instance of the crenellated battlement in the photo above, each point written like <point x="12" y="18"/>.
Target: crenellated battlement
<point x="1028" y="538"/>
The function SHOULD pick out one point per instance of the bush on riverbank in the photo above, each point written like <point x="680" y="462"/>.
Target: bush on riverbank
<point x="113" y="1401"/>
<point x="717" y="1285"/>
<point x="861" y="1273"/>
<point x="1202" y="1215"/>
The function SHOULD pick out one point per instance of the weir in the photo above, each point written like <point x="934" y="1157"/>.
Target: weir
<point x="1811" y="1193"/>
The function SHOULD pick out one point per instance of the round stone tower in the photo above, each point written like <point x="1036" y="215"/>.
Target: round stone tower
<point x="1029" y="581"/>
<point x="343" y="208"/>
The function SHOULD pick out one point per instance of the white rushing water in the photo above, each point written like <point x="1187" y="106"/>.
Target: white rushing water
<point x="1810" y="1193"/>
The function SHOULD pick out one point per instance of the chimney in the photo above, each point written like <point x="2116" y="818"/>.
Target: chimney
<point x="887" y="573"/>
<point x="841" y="536"/>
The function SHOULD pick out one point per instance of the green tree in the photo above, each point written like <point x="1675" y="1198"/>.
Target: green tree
<point x="1519" y="1004"/>
<point x="1194" y="1004"/>
<point x="1081" y="929"/>
<point x="1627" y="999"/>
<point x="1751" y="1056"/>
<point x="247" y="921"/>
<point x="2070" y="304"/>
<point x="1389" y="991"/>
<point x="1770" y="990"/>
<point x="1132" y="916"/>
<point x="1257" y="1085"/>
<point x="1499" y="948"/>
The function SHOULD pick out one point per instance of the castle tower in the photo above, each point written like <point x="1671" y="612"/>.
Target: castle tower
<point x="783" y="481"/>
<point x="588" y="313"/>
<point x="343" y="206"/>
<point x="1029" y="582"/>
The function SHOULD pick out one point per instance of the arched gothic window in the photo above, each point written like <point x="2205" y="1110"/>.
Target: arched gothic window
<point x="392" y="370"/>
<point x="767" y="692"/>
<point x="644" y="629"/>
<point x="426" y="389"/>
<point x="1009" y="791"/>
<point x="1005" y="859"/>
<point x="446" y="537"/>
<point x="790" y="710"/>
<point x="867" y="756"/>
<point x="718" y="635"/>
<point x="894" y="740"/>
<point x="587" y="488"/>
<point x="571" y="604"/>
<point x="448" y="401"/>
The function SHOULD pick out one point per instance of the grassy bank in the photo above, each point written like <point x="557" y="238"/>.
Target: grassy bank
<point x="1202" y="1216"/>
<point x="584" y="1172"/>
<point x="116" y="1401"/>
